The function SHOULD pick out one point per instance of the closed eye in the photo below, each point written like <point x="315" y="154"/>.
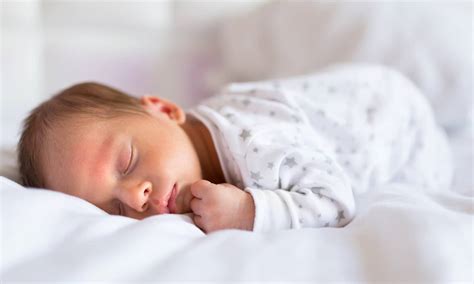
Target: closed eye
<point x="130" y="160"/>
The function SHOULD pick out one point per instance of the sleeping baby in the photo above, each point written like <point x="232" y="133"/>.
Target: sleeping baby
<point x="260" y="156"/>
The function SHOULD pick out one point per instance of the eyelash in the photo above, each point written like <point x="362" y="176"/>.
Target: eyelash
<point x="130" y="161"/>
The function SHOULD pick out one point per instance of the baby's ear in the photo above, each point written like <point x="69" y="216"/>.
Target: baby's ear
<point x="158" y="106"/>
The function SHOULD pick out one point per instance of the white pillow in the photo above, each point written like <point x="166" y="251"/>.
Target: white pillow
<point x="8" y="163"/>
<point x="57" y="229"/>
<point x="430" y="42"/>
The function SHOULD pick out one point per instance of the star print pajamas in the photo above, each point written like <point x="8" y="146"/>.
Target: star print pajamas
<point x="303" y="147"/>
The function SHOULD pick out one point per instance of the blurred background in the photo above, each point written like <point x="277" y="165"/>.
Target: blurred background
<point x="187" y="50"/>
<point x="141" y="47"/>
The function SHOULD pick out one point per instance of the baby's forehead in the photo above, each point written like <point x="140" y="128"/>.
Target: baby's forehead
<point x="74" y="130"/>
<point x="77" y="156"/>
<point x="85" y="121"/>
<point x="87" y="124"/>
<point x="75" y="138"/>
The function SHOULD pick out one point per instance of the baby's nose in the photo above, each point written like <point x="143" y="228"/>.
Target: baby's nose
<point x="141" y="196"/>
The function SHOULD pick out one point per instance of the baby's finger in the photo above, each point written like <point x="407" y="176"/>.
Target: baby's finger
<point x="198" y="221"/>
<point x="196" y="205"/>
<point x="199" y="188"/>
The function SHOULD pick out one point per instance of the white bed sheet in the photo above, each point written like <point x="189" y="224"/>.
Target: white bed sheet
<point x="401" y="234"/>
<point x="462" y="145"/>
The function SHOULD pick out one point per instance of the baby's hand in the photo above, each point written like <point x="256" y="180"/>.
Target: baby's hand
<point x="221" y="206"/>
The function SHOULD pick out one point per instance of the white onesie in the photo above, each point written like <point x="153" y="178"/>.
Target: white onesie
<point x="304" y="146"/>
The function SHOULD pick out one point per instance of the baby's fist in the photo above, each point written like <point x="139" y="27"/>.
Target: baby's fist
<point x="221" y="206"/>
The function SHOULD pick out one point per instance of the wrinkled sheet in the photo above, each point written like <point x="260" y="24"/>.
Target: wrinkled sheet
<point x="400" y="234"/>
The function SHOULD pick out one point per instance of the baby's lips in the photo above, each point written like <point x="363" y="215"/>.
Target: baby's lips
<point x="172" y="199"/>
<point x="161" y="207"/>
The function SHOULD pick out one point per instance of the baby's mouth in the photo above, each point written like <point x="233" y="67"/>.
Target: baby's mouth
<point x="168" y="203"/>
<point x="172" y="199"/>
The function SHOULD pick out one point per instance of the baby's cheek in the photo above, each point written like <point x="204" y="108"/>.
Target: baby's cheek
<point x="99" y="173"/>
<point x="92" y="165"/>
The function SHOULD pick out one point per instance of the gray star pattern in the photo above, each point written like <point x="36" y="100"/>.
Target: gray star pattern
<point x="255" y="176"/>
<point x="340" y="216"/>
<point x="245" y="134"/>
<point x="257" y="185"/>
<point x="290" y="162"/>
<point x="246" y="102"/>
<point x="270" y="165"/>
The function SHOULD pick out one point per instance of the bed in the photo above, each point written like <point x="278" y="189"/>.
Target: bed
<point x="400" y="233"/>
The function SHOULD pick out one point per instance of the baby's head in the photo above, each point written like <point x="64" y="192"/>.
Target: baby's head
<point x="121" y="153"/>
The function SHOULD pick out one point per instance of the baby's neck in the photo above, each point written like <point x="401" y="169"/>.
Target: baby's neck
<point x="205" y="149"/>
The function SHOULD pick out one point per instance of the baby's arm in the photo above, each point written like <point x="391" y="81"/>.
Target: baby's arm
<point x="311" y="190"/>
<point x="221" y="206"/>
<point x="321" y="197"/>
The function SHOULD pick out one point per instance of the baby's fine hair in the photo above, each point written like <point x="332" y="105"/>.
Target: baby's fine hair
<point x="87" y="100"/>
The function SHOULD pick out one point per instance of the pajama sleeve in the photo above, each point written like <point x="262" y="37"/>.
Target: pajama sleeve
<point x="312" y="191"/>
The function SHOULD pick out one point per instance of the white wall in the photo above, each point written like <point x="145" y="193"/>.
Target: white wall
<point x="21" y="60"/>
<point x="138" y="46"/>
